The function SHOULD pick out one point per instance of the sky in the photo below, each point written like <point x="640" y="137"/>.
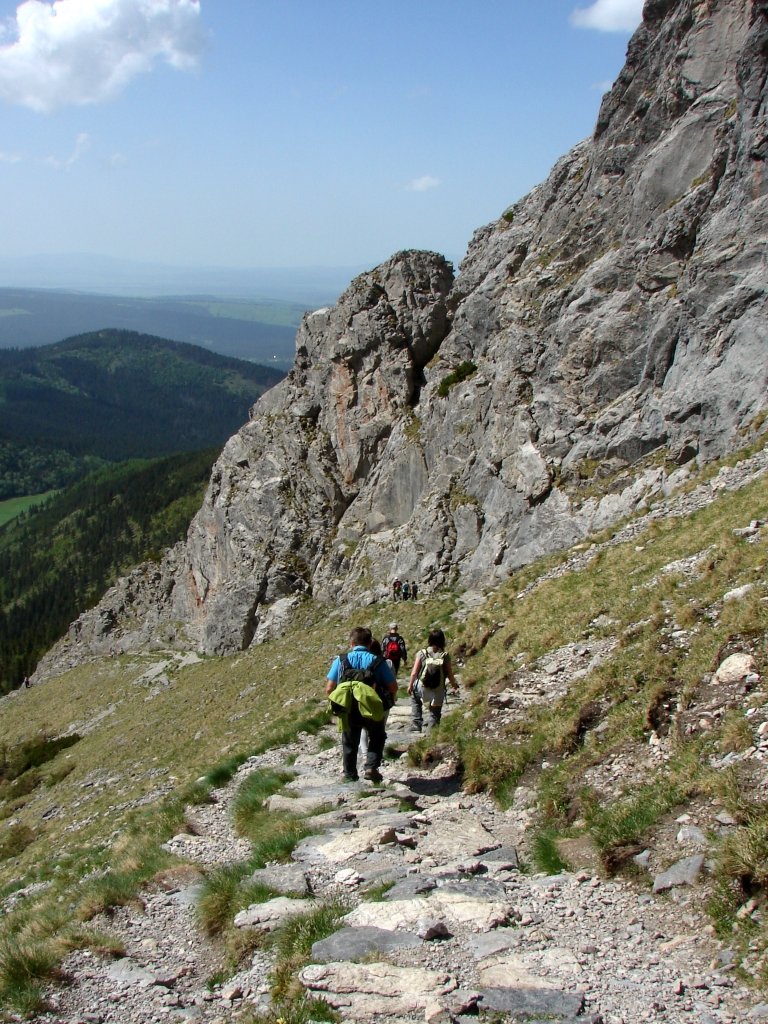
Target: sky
<point x="288" y="133"/>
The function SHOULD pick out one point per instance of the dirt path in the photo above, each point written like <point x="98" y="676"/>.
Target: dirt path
<point x="460" y="927"/>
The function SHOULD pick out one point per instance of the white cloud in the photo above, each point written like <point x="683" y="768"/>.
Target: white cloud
<point x="609" y="15"/>
<point x="86" y="51"/>
<point x="10" y="158"/>
<point x="423" y="184"/>
<point x="82" y="145"/>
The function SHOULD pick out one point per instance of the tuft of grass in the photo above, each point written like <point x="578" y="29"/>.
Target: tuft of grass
<point x="625" y="821"/>
<point x="16" y="840"/>
<point x="25" y="966"/>
<point x="253" y="792"/>
<point x="376" y="893"/>
<point x="744" y="854"/>
<point x="225" y="892"/>
<point x="735" y="732"/>
<point x="545" y="853"/>
<point x="292" y="944"/>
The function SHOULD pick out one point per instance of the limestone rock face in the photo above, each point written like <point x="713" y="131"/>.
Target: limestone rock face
<point x="443" y="431"/>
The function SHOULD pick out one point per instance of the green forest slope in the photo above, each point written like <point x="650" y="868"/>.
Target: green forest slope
<point x="58" y="559"/>
<point x="114" y="395"/>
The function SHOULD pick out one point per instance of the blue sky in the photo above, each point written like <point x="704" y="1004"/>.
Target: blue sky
<point x="247" y="133"/>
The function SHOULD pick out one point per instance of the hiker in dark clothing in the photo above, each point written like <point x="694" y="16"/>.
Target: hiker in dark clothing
<point x="357" y="660"/>
<point x="393" y="647"/>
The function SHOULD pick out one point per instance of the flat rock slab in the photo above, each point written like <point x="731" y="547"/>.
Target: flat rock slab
<point x="297" y="804"/>
<point x="366" y="818"/>
<point x="409" y="887"/>
<point x="684" y="872"/>
<point x="270" y="915"/>
<point x="506" y="855"/>
<point x="129" y="972"/>
<point x="362" y="991"/>
<point x="454" y="831"/>
<point x="509" y="971"/>
<point x="487" y="944"/>
<point x="475" y="888"/>
<point x="356" y="943"/>
<point x="460" y="912"/>
<point x="283" y="878"/>
<point x="347" y="845"/>
<point x="528" y="1003"/>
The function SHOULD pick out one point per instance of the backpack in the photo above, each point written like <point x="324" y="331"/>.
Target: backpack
<point x="392" y="649"/>
<point x="432" y="674"/>
<point x="367" y="676"/>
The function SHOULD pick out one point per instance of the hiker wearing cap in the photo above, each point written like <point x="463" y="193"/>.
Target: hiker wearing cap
<point x="393" y="648"/>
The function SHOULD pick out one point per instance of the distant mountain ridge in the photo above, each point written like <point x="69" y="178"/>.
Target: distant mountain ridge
<point x="114" y="395"/>
<point x="259" y="331"/>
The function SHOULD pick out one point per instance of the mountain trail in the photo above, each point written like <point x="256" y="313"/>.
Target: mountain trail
<point x="441" y="923"/>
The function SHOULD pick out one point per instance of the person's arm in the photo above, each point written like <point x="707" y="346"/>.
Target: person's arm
<point x="414" y="672"/>
<point x="332" y="678"/>
<point x="403" y="652"/>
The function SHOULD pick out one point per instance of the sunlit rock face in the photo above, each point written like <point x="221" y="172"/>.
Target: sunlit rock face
<point x="607" y="329"/>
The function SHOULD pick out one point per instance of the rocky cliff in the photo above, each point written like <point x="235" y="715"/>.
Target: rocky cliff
<point x="607" y="329"/>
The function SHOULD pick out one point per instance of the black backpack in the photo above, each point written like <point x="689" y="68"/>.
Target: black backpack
<point x="367" y="676"/>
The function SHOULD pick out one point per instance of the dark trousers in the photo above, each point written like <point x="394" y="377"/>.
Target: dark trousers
<point x="434" y="713"/>
<point x="350" y="742"/>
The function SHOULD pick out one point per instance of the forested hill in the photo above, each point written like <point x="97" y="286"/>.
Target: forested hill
<point x="113" y="395"/>
<point x="57" y="560"/>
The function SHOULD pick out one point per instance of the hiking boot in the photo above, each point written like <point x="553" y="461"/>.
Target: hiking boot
<point x="350" y="778"/>
<point x="373" y="775"/>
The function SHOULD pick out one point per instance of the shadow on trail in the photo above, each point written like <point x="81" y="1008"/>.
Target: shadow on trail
<point x="448" y="785"/>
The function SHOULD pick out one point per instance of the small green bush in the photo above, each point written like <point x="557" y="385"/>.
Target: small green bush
<point x="462" y="372"/>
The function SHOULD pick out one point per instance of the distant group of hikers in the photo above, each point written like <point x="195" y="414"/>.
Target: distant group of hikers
<point x="362" y="687"/>
<point x="402" y="590"/>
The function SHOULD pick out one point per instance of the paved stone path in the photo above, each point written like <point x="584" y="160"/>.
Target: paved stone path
<point x="457" y="929"/>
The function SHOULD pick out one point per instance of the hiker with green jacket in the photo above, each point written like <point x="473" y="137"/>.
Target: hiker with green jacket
<point x="352" y="683"/>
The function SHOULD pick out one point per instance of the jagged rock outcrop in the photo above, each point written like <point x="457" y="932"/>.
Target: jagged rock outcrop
<point x="444" y="431"/>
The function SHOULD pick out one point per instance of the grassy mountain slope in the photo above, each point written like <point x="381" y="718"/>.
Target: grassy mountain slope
<point x="612" y="748"/>
<point x="114" y="395"/>
<point x="58" y="559"/>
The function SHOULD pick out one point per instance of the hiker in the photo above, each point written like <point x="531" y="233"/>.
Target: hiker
<point x="352" y="683"/>
<point x="397" y="589"/>
<point x="387" y="699"/>
<point x="431" y="668"/>
<point x="414" y="590"/>
<point x="406" y="588"/>
<point x="393" y="648"/>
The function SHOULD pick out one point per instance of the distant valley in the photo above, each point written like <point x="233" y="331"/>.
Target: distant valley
<point x="259" y="330"/>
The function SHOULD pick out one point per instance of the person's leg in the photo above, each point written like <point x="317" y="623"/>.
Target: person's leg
<point x="435" y="709"/>
<point x="376" y="739"/>
<point x="350" y="741"/>
<point x="416" y="711"/>
<point x="433" y="717"/>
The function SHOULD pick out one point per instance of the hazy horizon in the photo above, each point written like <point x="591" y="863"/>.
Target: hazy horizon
<point x="247" y="135"/>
